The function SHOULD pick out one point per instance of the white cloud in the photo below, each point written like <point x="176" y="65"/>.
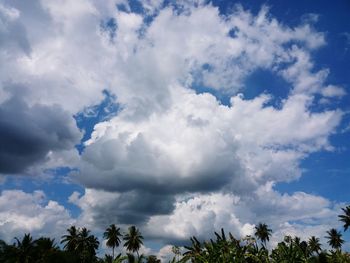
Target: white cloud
<point x="200" y="145"/>
<point x="165" y="253"/>
<point x="193" y="216"/>
<point x="167" y="140"/>
<point x="333" y="91"/>
<point x="22" y="212"/>
<point x="299" y="214"/>
<point x="74" y="57"/>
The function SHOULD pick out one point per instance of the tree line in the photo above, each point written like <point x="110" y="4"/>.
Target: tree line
<point x="80" y="246"/>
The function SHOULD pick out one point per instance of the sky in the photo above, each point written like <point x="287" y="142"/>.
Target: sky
<point x="179" y="117"/>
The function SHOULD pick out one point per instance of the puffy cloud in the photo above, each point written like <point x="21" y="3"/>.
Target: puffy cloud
<point x="165" y="253"/>
<point x="22" y="212"/>
<point x="170" y="139"/>
<point x="333" y="91"/>
<point x="299" y="214"/>
<point x="31" y="134"/>
<point x="167" y="141"/>
<point x="200" y="145"/>
<point x="101" y="208"/>
<point x="193" y="216"/>
<point x="187" y="142"/>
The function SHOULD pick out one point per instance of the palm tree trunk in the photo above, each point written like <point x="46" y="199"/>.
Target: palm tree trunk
<point x="113" y="252"/>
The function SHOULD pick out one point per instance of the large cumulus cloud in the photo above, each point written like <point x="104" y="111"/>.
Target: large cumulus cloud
<point x="173" y="155"/>
<point x="170" y="140"/>
<point x="200" y="145"/>
<point x="199" y="141"/>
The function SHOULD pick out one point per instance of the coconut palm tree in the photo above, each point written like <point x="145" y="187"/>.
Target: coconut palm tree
<point x="46" y="249"/>
<point x="71" y="239"/>
<point x="334" y="239"/>
<point x="86" y="245"/>
<point x="345" y="218"/>
<point x="24" y="249"/>
<point x="263" y="232"/>
<point x="314" y="244"/>
<point x="112" y="235"/>
<point x="133" y="240"/>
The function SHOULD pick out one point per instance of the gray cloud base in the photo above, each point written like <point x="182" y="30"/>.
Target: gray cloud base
<point x="29" y="133"/>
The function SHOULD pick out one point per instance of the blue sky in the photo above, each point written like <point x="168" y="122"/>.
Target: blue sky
<point x="178" y="117"/>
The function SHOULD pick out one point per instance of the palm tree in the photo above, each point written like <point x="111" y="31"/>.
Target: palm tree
<point x="24" y="249"/>
<point x="112" y="235"/>
<point x="262" y="232"/>
<point x="86" y="244"/>
<point x="345" y="218"/>
<point x="314" y="244"/>
<point x="133" y="240"/>
<point x="334" y="239"/>
<point x="71" y="239"/>
<point x="46" y="248"/>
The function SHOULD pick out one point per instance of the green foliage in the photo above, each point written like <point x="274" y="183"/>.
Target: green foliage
<point x="290" y="250"/>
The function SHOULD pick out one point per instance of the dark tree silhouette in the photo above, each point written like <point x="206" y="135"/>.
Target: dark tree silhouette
<point x="87" y="245"/>
<point x="334" y="239"/>
<point x="24" y="251"/>
<point x="112" y="235"/>
<point x="133" y="240"/>
<point x="263" y="232"/>
<point x="314" y="244"/>
<point x="70" y="241"/>
<point x="345" y="218"/>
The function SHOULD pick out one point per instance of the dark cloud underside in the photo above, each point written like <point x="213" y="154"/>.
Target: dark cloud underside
<point x="29" y="133"/>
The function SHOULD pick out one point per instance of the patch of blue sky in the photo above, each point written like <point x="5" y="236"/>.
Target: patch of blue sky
<point x="260" y="81"/>
<point x="265" y="81"/>
<point x="90" y="116"/>
<point x="58" y="188"/>
<point x="110" y="26"/>
<point x="326" y="173"/>
<point x="177" y="6"/>
<point x="135" y="6"/>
